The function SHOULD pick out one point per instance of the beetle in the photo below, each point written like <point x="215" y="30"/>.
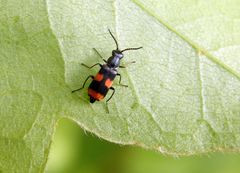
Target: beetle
<point x="102" y="82"/>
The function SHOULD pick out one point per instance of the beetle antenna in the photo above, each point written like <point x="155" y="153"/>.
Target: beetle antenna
<point x="113" y="38"/>
<point x="134" y="48"/>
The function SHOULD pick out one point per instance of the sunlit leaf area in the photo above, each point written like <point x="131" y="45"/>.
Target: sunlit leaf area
<point x="179" y="113"/>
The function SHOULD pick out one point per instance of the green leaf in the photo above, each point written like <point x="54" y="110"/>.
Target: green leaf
<point x="183" y="91"/>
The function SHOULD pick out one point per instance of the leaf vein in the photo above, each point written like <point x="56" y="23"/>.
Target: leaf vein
<point x="194" y="45"/>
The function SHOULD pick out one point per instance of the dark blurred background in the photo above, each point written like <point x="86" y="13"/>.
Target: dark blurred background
<point x="76" y="151"/>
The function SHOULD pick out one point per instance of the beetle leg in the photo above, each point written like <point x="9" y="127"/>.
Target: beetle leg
<point x="112" y="94"/>
<point x="90" y="76"/>
<point x="126" y="64"/>
<point x="92" y="65"/>
<point x="120" y="79"/>
<point x="100" y="55"/>
<point x="121" y="66"/>
<point x="110" y="97"/>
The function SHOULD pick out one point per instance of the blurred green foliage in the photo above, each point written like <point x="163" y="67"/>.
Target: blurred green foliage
<point x="74" y="151"/>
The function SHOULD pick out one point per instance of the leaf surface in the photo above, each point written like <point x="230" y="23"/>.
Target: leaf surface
<point x="183" y="95"/>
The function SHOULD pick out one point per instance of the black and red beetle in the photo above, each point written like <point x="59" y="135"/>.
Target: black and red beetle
<point x="103" y="81"/>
